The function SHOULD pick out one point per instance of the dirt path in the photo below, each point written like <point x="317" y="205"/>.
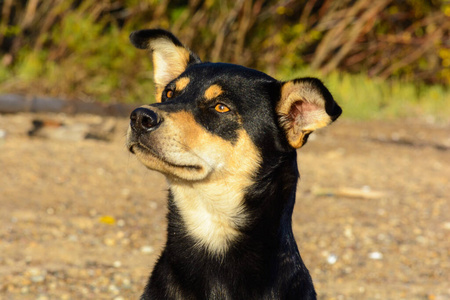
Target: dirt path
<point x="84" y="220"/>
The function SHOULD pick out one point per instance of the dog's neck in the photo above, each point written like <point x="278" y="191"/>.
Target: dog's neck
<point x="217" y="213"/>
<point x="212" y="211"/>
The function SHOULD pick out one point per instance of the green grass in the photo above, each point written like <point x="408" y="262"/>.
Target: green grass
<point x="117" y="72"/>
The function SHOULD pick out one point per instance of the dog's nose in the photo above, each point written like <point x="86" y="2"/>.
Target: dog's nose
<point x="144" y="119"/>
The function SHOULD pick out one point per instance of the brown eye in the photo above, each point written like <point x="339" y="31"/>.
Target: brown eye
<point x="221" y="108"/>
<point x="169" y="94"/>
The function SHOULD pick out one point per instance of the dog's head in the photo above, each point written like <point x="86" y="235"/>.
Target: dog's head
<point x="213" y="119"/>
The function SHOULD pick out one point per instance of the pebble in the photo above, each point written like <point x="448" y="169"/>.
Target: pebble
<point x="37" y="278"/>
<point x="113" y="289"/>
<point x="343" y="245"/>
<point x="73" y="238"/>
<point x="37" y="275"/>
<point x="147" y="249"/>
<point x="117" y="264"/>
<point x="446" y="225"/>
<point x="125" y="192"/>
<point x="332" y="259"/>
<point x="109" y="242"/>
<point x="126" y="283"/>
<point x="376" y="255"/>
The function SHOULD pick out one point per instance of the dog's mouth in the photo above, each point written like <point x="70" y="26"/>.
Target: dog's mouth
<point x="142" y="150"/>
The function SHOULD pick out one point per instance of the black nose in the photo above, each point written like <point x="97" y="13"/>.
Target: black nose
<point x="144" y="119"/>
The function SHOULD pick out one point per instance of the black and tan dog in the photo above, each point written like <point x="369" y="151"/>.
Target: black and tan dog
<point x="225" y="136"/>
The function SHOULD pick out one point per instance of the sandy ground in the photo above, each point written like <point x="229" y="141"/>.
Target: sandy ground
<point x="82" y="219"/>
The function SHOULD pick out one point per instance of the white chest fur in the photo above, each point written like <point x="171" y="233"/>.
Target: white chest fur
<point x="212" y="211"/>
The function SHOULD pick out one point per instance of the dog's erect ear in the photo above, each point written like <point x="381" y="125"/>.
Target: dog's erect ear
<point x="305" y="105"/>
<point x="170" y="56"/>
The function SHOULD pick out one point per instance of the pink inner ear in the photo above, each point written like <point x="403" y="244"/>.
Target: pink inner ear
<point x="303" y="106"/>
<point x="303" y="113"/>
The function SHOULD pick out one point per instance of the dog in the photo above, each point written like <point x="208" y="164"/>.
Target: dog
<point x="225" y="136"/>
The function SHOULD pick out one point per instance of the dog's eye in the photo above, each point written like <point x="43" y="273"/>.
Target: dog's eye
<point x="221" y="108"/>
<point x="169" y="94"/>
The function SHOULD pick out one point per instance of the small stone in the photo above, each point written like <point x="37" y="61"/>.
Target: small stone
<point x="125" y="192"/>
<point x="117" y="264"/>
<point x="126" y="283"/>
<point x="147" y="249"/>
<point x="37" y="278"/>
<point x="73" y="238"/>
<point x="53" y="286"/>
<point x="348" y="232"/>
<point x="2" y="134"/>
<point x="37" y="275"/>
<point x="113" y="289"/>
<point x="332" y="259"/>
<point x="376" y="255"/>
<point x="446" y="225"/>
<point x="109" y="241"/>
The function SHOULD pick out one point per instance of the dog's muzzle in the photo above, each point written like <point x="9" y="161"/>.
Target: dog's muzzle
<point x="143" y="120"/>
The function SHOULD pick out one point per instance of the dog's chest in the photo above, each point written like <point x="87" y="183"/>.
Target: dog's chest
<point x="212" y="213"/>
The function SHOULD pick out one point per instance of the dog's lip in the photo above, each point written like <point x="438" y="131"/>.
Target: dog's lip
<point x="130" y="148"/>
<point x="149" y="151"/>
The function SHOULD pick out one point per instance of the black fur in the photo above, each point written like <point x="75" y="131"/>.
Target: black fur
<point x="140" y="40"/>
<point x="264" y="262"/>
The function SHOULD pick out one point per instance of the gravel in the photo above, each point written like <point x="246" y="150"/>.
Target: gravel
<point x="84" y="220"/>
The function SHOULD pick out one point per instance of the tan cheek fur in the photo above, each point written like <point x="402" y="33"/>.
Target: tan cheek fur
<point x="210" y="200"/>
<point x="158" y="95"/>
<point x="212" y="209"/>
<point x="172" y="141"/>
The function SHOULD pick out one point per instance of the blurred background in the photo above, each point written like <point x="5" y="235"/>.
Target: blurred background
<point x="82" y="219"/>
<point x="382" y="58"/>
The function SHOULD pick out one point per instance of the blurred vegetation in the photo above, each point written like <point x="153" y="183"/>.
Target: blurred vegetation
<point x="79" y="49"/>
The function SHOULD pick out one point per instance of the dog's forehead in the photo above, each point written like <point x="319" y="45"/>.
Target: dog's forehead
<point x="250" y="96"/>
<point x="210" y="82"/>
<point x="226" y="75"/>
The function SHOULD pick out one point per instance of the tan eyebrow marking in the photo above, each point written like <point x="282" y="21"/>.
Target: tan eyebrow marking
<point x="182" y="83"/>
<point x="213" y="92"/>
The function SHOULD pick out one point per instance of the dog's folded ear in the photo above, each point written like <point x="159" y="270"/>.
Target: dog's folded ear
<point x="170" y="56"/>
<point x="305" y="105"/>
